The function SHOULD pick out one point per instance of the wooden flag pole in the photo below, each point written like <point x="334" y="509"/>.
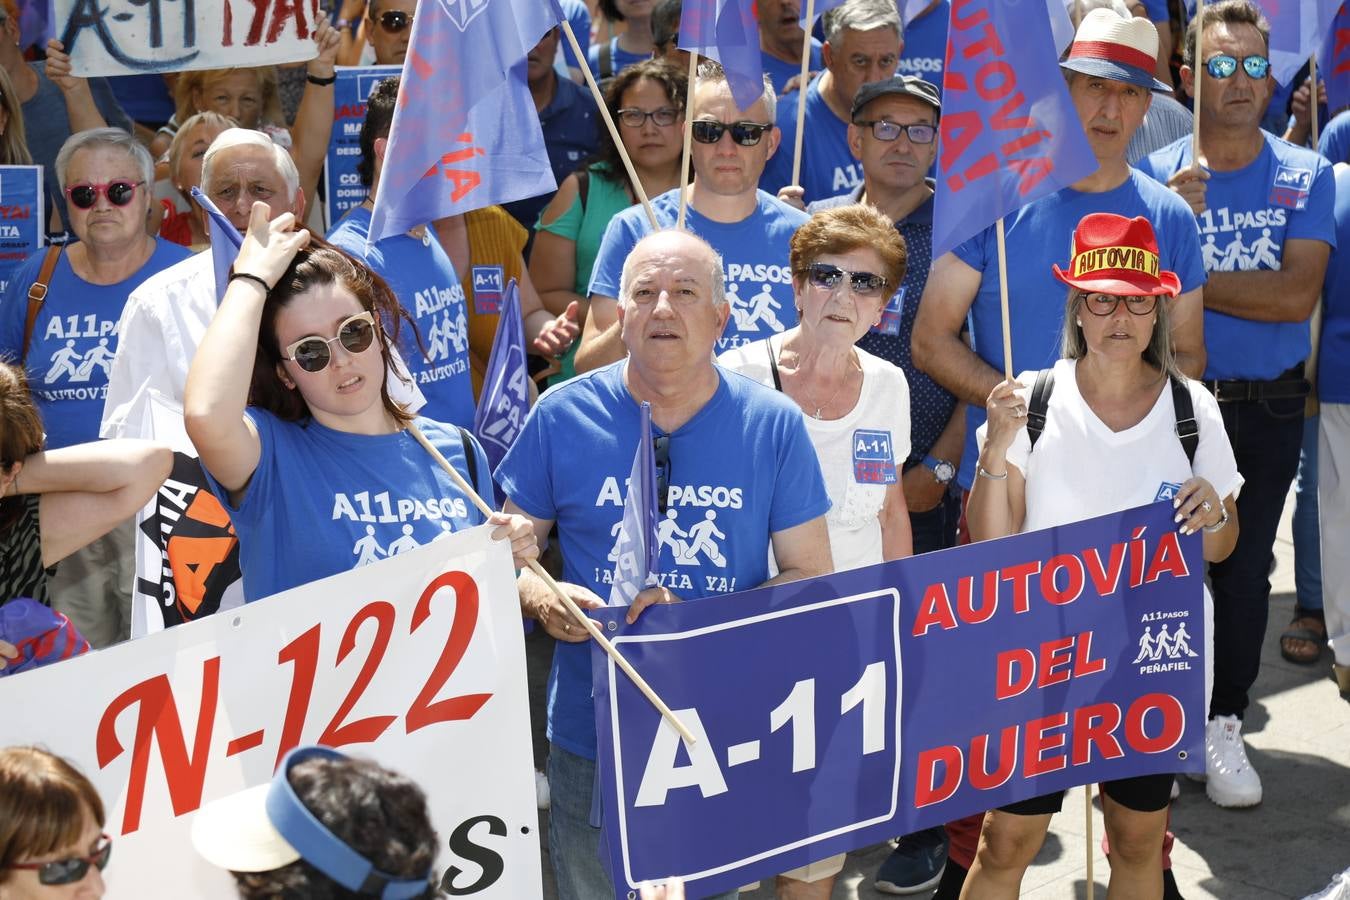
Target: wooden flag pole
<point x="1198" y="73"/>
<point x="588" y="623"/>
<point x="1087" y="830"/>
<point x="801" y="91"/>
<point x="609" y="123"/>
<point x="1312" y="101"/>
<point x="1003" y="300"/>
<point x="688" y="136"/>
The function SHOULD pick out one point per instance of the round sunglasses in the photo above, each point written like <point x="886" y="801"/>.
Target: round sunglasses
<point x="119" y="193"/>
<point x="394" y="21"/>
<point x="1225" y="66"/>
<point x="313" y="353"/>
<point x="1107" y="304"/>
<point x="829" y="277"/>
<point x="747" y="134"/>
<point x="70" y="871"/>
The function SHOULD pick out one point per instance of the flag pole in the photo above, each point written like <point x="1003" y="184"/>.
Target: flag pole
<point x="609" y="123"/>
<point x="801" y="91"/>
<point x="1312" y="101"/>
<point x="1198" y="77"/>
<point x="1003" y="300"/>
<point x="588" y="623"/>
<point x="688" y="137"/>
<point x="1087" y="831"/>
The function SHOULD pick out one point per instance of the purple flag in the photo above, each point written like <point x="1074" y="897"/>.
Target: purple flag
<point x="1297" y="28"/>
<point x="225" y="241"/>
<point x="39" y="633"/>
<point x="909" y="9"/>
<point x="637" y="551"/>
<point x="1010" y="133"/>
<point x="727" y="31"/>
<point x="1333" y="62"/>
<point x="465" y="133"/>
<point x="506" y="394"/>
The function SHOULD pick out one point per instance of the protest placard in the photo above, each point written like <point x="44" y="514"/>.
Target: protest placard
<point x="21" y="211"/>
<point x="416" y="661"/>
<point x="845" y="710"/>
<point x="342" y="185"/>
<point x="130" y="37"/>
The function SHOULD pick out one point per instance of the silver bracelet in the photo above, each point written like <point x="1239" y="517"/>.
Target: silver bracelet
<point x="985" y="473"/>
<point x="1218" y="526"/>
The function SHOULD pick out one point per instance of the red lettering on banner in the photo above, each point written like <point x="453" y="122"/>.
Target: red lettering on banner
<point x="1070" y="564"/>
<point x="1105" y="578"/>
<point x="980" y="776"/>
<point x="1341" y="63"/>
<point x="282" y="12"/>
<point x="1054" y="655"/>
<point x="255" y="25"/>
<point x="1020" y="576"/>
<point x="927" y="789"/>
<point x="1006" y="684"/>
<point x="1037" y="742"/>
<point x="157" y="718"/>
<point x="965" y="602"/>
<point x="936" y="609"/>
<point x="1002" y="88"/>
<point x="423" y="712"/>
<point x="369" y="729"/>
<point x="1173" y="723"/>
<point x="228" y="26"/>
<point x="1082" y="663"/>
<point x="1167" y="558"/>
<point x="1093" y="726"/>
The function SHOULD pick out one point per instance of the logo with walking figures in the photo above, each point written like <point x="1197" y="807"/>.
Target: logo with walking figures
<point x="1167" y="650"/>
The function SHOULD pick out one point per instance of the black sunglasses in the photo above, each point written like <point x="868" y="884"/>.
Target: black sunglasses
<point x="1225" y="66"/>
<point x="119" y="193"/>
<point x="394" y="21"/>
<point x="863" y="284"/>
<point x="1107" y="304"/>
<point x="747" y="134"/>
<point x="661" y="451"/>
<point x="918" y="133"/>
<point x="313" y="354"/>
<point x="69" y="871"/>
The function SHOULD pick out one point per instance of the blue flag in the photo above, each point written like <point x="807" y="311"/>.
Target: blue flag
<point x="225" y="241"/>
<point x="1297" y="28"/>
<point x="726" y="31"/>
<point x="465" y="133"/>
<point x="1010" y="133"/>
<point x="636" y="553"/>
<point x="1333" y="63"/>
<point x="506" y="395"/>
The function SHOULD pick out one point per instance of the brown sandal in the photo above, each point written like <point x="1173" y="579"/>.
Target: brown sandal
<point x="1302" y="641"/>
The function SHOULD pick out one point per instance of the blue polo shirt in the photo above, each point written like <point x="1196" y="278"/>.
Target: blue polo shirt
<point x="570" y="123"/>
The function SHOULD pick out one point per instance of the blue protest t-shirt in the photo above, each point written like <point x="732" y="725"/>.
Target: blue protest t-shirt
<point x="1286" y="193"/>
<point x="1334" y="142"/>
<point x="781" y="72"/>
<point x="619" y="59"/>
<point x="829" y="167"/>
<point x="754" y="254"/>
<point x="741" y="469"/>
<point x="1333" y="355"/>
<point x="1039" y="235"/>
<point x="323" y="501"/>
<point x="925" y="50"/>
<point x="425" y="282"/>
<point x="74" y="340"/>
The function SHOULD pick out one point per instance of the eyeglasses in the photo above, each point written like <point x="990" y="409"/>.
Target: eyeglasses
<point x="747" y="134"/>
<point x="313" y="354"/>
<point x="863" y="284"/>
<point x="394" y="21"/>
<point x="69" y="871"/>
<point x="119" y="193"/>
<point x="1107" y="304"/>
<point x="918" y="133"/>
<point x="661" y="451"/>
<point x="1224" y="66"/>
<point x="636" y="118"/>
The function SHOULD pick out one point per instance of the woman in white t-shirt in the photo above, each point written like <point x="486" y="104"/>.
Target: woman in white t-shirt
<point x="1109" y="443"/>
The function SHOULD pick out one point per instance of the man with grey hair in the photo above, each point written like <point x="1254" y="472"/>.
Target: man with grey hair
<point x="736" y="477"/>
<point x="863" y="40"/>
<point x="749" y="228"/>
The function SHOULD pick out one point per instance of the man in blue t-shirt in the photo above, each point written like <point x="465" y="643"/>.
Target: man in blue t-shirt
<point x="1266" y="214"/>
<point x="421" y="276"/>
<point x="862" y="44"/>
<point x="780" y="41"/>
<point x="749" y="228"/>
<point x="1334" y="142"/>
<point x="925" y="45"/>
<point x="737" y="477"/>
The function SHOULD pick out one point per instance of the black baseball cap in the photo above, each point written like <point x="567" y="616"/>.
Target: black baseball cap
<point x="902" y="85"/>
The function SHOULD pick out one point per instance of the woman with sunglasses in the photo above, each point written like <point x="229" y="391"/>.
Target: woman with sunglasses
<point x="52" y="843"/>
<point x="647" y="100"/>
<point x="288" y="406"/>
<point x="1110" y="441"/>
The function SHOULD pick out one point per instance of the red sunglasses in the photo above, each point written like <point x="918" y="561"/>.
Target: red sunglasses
<point x="119" y="193"/>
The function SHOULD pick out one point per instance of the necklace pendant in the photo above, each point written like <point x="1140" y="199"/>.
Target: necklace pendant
<point x="818" y="411"/>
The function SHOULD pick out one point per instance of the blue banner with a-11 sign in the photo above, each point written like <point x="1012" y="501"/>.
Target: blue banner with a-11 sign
<point x="845" y="710"/>
<point x="21" y="213"/>
<point x="342" y="185"/>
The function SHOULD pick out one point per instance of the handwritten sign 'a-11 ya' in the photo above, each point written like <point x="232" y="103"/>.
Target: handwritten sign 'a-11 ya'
<point x="120" y="37"/>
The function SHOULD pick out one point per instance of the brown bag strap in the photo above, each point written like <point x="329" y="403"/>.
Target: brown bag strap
<point x="37" y="292"/>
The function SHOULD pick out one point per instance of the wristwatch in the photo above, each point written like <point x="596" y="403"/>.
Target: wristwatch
<point x="943" y="471"/>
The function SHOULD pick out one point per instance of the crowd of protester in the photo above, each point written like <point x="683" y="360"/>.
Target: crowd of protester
<point x="794" y="307"/>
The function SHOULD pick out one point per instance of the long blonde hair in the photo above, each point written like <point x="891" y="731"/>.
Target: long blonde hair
<point x="13" y="143"/>
<point x="189" y="83"/>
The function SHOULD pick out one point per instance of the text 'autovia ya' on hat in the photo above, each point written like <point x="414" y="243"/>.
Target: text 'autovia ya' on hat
<point x="1119" y="256"/>
<point x="1109" y="46"/>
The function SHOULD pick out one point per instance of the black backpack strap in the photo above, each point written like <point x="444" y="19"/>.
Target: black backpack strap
<point x="470" y="457"/>
<point x="606" y="60"/>
<point x="1040" y="402"/>
<point x="773" y="366"/>
<point x="1188" y="429"/>
<point x="583" y="176"/>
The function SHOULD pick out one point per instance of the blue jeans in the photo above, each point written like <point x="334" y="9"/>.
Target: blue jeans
<point x="935" y="529"/>
<point x="573" y="845"/>
<point x="1307" y="552"/>
<point x="1266" y="437"/>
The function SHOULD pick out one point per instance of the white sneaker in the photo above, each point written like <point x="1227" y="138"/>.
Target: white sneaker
<point x="1231" y="779"/>
<point x="541" y="794"/>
